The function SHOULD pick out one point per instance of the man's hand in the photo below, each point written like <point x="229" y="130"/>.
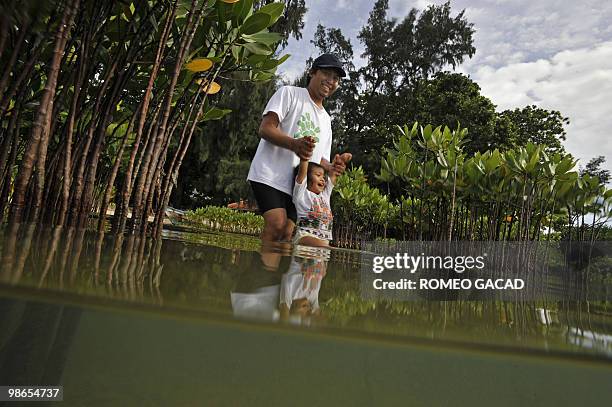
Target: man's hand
<point x="340" y="162"/>
<point x="303" y="147"/>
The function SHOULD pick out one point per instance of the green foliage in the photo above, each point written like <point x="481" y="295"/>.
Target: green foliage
<point x="436" y="190"/>
<point x="532" y="124"/>
<point x="494" y="191"/>
<point x="398" y="55"/>
<point x="420" y="45"/>
<point x="450" y="99"/>
<point x="226" y="220"/>
<point x="217" y="164"/>
<point x="358" y="208"/>
<point x="593" y="168"/>
<point x="162" y="66"/>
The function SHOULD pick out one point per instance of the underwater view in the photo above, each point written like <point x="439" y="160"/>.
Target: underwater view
<point x="121" y="320"/>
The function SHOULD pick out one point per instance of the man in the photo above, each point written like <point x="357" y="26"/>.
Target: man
<point x="295" y="125"/>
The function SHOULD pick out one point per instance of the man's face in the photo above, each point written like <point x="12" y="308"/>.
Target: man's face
<point x="316" y="180"/>
<point x="324" y="82"/>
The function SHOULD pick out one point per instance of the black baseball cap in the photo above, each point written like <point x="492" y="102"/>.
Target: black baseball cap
<point x="329" y="61"/>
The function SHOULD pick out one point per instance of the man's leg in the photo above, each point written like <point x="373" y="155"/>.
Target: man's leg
<point x="288" y="231"/>
<point x="278" y="212"/>
<point x="291" y="219"/>
<point x="275" y="221"/>
<point x="274" y="229"/>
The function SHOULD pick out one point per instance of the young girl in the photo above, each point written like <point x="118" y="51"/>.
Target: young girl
<point x="311" y="197"/>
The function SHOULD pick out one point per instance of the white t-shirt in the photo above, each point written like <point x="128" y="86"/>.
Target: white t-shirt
<point x="303" y="280"/>
<point x="260" y="304"/>
<point x="298" y="116"/>
<point x="314" y="213"/>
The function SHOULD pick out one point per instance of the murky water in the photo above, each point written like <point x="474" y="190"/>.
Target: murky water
<point x="212" y="319"/>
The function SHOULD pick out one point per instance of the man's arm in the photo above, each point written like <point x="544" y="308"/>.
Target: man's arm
<point x="269" y="131"/>
<point x="338" y="167"/>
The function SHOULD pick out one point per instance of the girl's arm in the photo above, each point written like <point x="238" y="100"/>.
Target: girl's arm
<point x="302" y="171"/>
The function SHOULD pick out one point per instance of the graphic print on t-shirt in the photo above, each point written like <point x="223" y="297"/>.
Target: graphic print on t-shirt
<point x="306" y="128"/>
<point x="318" y="217"/>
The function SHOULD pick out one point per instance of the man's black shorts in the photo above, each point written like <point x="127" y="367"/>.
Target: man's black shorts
<point x="271" y="198"/>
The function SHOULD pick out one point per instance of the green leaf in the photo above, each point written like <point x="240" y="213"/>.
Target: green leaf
<point x="259" y="49"/>
<point x="269" y="64"/>
<point x="246" y="9"/>
<point x="222" y="13"/>
<point x="213" y="58"/>
<point x="265" y="76"/>
<point x="275" y="10"/>
<point x="255" y="23"/>
<point x="236" y="52"/>
<point x="215" y="114"/>
<point x="283" y="58"/>
<point x="263" y="37"/>
<point x="256" y="59"/>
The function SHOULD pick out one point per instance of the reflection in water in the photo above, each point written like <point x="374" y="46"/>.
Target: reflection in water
<point x="232" y="276"/>
<point x="300" y="285"/>
<point x="588" y="339"/>
<point x="125" y="267"/>
<point x="285" y="287"/>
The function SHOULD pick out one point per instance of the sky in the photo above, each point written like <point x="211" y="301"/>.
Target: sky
<point x="556" y="54"/>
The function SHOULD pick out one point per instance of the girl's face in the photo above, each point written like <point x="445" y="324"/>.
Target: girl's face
<point x="301" y="306"/>
<point x="316" y="180"/>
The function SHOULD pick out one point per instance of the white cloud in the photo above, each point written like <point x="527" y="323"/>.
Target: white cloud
<point x="578" y="83"/>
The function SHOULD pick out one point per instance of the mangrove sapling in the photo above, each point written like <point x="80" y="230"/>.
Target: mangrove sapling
<point x="127" y="59"/>
<point x="164" y="152"/>
<point x="131" y="173"/>
<point x="19" y="43"/>
<point x="80" y="163"/>
<point x="139" y="219"/>
<point x="111" y="179"/>
<point x="41" y="126"/>
<point x="121" y="215"/>
<point x="173" y="169"/>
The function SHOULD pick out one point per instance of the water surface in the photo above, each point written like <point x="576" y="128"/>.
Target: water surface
<point x="215" y="312"/>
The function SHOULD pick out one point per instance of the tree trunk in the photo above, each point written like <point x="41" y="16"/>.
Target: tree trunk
<point x="26" y="72"/>
<point x="23" y="31"/>
<point x="41" y="126"/>
<point x="113" y="175"/>
<point x="6" y="174"/>
<point x="171" y="176"/>
<point x="78" y="88"/>
<point x="77" y="179"/>
<point x="121" y="216"/>
<point x="4" y="28"/>
<point x="150" y="160"/>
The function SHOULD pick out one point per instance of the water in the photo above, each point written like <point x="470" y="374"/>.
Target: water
<point x="212" y="319"/>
